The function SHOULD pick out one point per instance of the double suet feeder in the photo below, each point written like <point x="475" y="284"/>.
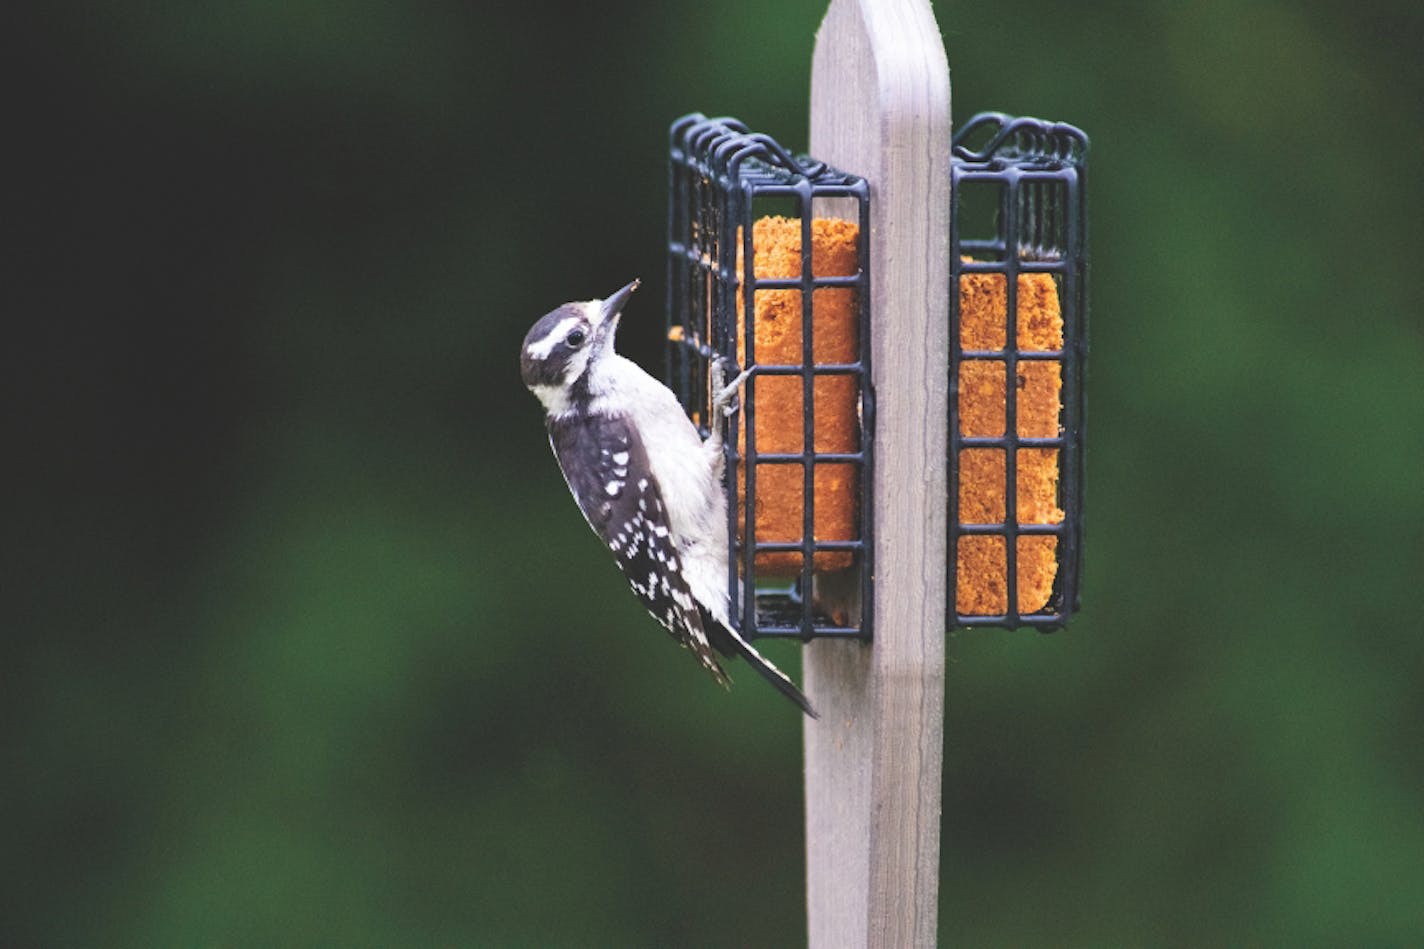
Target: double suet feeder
<point x="908" y="459"/>
<point x="769" y="267"/>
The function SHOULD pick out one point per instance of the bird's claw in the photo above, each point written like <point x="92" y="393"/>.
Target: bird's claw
<point x="724" y="394"/>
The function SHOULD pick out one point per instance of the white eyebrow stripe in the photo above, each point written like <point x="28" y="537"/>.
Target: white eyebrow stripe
<point x="542" y="348"/>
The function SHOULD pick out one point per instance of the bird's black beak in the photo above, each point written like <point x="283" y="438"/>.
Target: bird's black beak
<point x="614" y="304"/>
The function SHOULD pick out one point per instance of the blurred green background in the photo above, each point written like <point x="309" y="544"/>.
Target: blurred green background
<point x="305" y="642"/>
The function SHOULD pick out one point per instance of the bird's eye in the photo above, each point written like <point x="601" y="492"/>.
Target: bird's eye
<point x="576" y="338"/>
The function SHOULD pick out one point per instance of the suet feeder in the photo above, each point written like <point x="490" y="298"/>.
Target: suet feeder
<point x="1017" y="264"/>
<point x="768" y="267"/>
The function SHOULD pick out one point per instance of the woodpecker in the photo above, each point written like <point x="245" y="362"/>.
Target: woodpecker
<point x="646" y="481"/>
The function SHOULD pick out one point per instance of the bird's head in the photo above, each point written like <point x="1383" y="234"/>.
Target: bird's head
<point x="565" y="344"/>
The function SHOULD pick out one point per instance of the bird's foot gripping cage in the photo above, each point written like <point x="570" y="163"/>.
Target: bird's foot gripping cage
<point x="1017" y="312"/>
<point x="768" y="267"/>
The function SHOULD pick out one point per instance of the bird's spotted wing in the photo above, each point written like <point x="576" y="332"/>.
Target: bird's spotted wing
<point x="606" y="467"/>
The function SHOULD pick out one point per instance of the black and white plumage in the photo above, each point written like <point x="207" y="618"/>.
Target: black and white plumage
<point x="646" y="482"/>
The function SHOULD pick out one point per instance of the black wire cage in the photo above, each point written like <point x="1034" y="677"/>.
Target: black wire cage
<point x="758" y="240"/>
<point x="769" y="267"/>
<point x="1018" y="311"/>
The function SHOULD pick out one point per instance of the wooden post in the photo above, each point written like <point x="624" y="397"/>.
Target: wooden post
<point x="880" y="108"/>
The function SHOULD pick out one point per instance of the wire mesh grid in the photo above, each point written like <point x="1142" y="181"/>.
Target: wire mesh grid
<point x="1017" y="312"/>
<point x="720" y="176"/>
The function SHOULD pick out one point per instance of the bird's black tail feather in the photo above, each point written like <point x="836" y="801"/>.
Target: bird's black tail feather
<point x="770" y="673"/>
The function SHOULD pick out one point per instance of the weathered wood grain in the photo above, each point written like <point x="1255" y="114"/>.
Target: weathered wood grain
<point x="880" y="108"/>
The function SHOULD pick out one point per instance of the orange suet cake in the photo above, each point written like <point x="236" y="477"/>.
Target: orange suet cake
<point x="835" y="338"/>
<point x="982" y="571"/>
